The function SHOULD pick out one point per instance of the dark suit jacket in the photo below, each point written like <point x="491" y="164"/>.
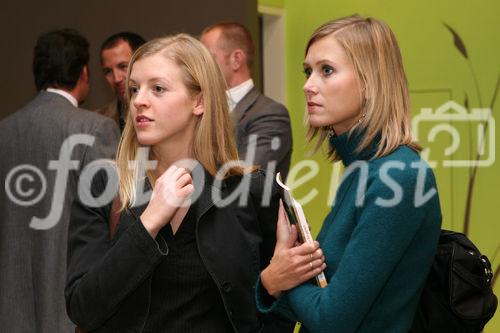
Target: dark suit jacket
<point x="260" y="115"/>
<point x="109" y="281"/>
<point x="33" y="261"/>
<point x="111" y="111"/>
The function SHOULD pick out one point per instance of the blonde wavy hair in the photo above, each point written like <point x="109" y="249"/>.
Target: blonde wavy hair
<point x="213" y="143"/>
<point x="372" y="48"/>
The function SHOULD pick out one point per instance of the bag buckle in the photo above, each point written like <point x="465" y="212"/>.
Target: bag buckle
<point x="488" y="273"/>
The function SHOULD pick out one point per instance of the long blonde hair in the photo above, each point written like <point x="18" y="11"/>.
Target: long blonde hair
<point x="372" y="48"/>
<point x="213" y="143"/>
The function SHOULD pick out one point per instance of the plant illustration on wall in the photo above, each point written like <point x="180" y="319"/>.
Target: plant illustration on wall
<point x="460" y="46"/>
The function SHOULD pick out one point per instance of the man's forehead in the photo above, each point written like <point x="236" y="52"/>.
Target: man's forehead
<point x="121" y="51"/>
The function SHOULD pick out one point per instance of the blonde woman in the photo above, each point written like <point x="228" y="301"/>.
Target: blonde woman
<point x="185" y="260"/>
<point x="381" y="234"/>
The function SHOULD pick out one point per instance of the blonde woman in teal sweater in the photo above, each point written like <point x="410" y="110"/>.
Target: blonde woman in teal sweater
<point x="378" y="242"/>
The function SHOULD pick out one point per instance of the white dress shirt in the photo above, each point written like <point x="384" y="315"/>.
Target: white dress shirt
<point x="64" y="94"/>
<point x="236" y="94"/>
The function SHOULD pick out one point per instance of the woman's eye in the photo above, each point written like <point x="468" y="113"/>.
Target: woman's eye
<point x="158" y="89"/>
<point x="307" y="72"/>
<point x="327" y="70"/>
<point x="133" y="90"/>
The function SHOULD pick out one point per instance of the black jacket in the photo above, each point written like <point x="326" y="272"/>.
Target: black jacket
<point x="109" y="281"/>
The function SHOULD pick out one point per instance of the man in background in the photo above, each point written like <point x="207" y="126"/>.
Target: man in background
<point x="37" y="143"/>
<point x="116" y="52"/>
<point x="255" y="116"/>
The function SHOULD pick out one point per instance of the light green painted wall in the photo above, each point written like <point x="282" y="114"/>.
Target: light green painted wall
<point x="431" y="62"/>
<point x="272" y="3"/>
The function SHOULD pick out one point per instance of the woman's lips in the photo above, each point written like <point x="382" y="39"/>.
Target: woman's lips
<point x="143" y="121"/>
<point x="311" y="106"/>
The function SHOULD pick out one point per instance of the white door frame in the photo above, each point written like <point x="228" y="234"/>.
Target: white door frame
<point x="273" y="52"/>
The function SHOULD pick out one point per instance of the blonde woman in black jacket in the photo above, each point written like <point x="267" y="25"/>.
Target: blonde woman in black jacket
<point x="187" y="258"/>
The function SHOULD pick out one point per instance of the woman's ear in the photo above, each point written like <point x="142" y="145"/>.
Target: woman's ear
<point x="199" y="107"/>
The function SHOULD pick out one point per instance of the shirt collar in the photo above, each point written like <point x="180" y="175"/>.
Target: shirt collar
<point x="236" y="93"/>
<point x="64" y="94"/>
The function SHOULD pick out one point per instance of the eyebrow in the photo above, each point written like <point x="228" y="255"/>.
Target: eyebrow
<point x="321" y="61"/>
<point x="153" y="79"/>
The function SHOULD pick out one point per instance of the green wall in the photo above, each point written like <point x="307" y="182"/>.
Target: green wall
<point x="437" y="72"/>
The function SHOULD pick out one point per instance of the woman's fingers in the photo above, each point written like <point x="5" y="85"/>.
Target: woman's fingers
<point x="308" y="273"/>
<point x="184" y="180"/>
<point x="292" y="239"/>
<point x="179" y="173"/>
<point x="305" y="248"/>
<point x="171" y="170"/>
<point x="318" y="254"/>
<point x="314" y="272"/>
<point x="186" y="191"/>
<point x="309" y="265"/>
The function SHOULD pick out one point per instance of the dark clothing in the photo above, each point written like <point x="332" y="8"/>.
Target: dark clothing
<point x="33" y="238"/>
<point x="109" y="283"/>
<point x="115" y="110"/>
<point x="121" y="117"/>
<point x="257" y="117"/>
<point x="186" y="298"/>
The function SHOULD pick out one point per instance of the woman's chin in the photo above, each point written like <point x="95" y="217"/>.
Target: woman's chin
<point x="144" y="141"/>
<point x="315" y="123"/>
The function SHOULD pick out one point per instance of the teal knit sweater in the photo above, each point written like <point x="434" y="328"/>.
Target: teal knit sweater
<point x="379" y="241"/>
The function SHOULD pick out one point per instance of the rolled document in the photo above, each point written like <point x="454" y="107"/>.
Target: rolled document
<point x="296" y="216"/>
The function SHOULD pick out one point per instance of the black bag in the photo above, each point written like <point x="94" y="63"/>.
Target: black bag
<point x="457" y="296"/>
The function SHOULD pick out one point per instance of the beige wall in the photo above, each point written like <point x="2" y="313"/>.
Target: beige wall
<point x="22" y="22"/>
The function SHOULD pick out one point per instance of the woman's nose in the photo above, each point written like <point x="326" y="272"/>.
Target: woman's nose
<point x="140" y="99"/>
<point x="309" y="87"/>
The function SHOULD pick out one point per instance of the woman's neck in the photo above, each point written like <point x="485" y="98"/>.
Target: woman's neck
<point x="169" y="154"/>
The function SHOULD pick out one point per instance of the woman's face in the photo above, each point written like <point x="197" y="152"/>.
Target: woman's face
<point x="332" y="90"/>
<point x="162" y="109"/>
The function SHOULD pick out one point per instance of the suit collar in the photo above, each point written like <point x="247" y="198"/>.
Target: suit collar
<point x="245" y="104"/>
<point x="49" y="97"/>
<point x="64" y="94"/>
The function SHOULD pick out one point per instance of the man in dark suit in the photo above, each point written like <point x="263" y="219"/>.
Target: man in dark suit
<point x="45" y="146"/>
<point x="263" y="131"/>
<point x="116" y="52"/>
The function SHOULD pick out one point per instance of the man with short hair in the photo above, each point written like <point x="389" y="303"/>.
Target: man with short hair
<point x="255" y="116"/>
<point x="45" y="146"/>
<point x="116" y="52"/>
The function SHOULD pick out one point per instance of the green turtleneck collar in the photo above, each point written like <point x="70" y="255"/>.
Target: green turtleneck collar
<point x="346" y="144"/>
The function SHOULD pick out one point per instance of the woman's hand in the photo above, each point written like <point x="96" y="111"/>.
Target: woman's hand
<point x="291" y="265"/>
<point x="172" y="189"/>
